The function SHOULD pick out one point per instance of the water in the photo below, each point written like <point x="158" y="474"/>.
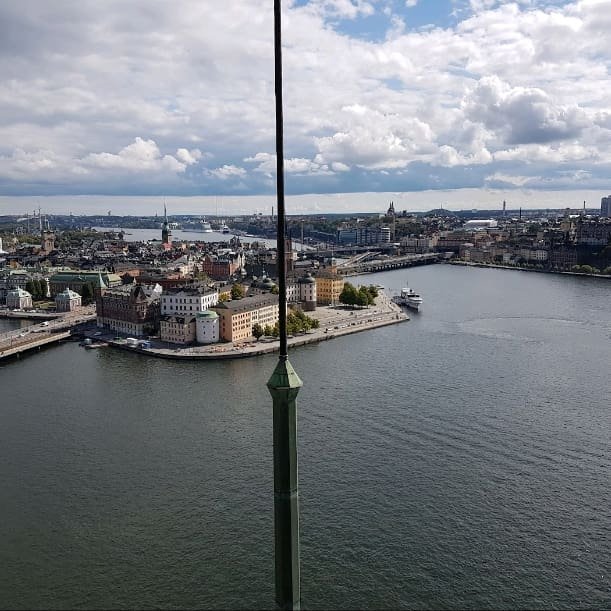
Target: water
<point x="143" y="235"/>
<point x="9" y="324"/>
<point x="460" y="460"/>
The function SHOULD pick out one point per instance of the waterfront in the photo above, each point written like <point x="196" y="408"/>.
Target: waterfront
<point x="178" y="235"/>
<point x="457" y="460"/>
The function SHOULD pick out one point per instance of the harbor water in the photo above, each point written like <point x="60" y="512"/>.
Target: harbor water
<point x="459" y="460"/>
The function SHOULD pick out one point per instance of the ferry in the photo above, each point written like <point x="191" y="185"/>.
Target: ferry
<point x="409" y="299"/>
<point x="204" y="227"/>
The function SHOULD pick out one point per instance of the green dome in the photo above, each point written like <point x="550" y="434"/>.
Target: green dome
<point x="211" y="314"/>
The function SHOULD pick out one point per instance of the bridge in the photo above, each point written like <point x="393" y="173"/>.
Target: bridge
<point x="34" y="337"/>
<point x="379" y="265"/>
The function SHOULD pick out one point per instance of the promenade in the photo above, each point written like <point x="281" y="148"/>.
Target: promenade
<point x="335" y="321"/>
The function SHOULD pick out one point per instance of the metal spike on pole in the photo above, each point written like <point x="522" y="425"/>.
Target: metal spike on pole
<point x="284" y="386"/>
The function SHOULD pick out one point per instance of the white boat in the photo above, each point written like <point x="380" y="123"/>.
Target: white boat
<point x="204" y="227"/>
<point x="224" y="228"/>
<point x="408" y="298"/>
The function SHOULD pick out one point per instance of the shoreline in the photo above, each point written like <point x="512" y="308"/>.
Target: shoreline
<point x="334" y="322"/>
<point x="528" y="269"/>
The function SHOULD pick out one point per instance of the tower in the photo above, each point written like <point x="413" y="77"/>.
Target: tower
<point x="165" y="229"/>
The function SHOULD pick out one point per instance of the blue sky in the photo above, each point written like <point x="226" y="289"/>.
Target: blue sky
<point x="176" y="99"/>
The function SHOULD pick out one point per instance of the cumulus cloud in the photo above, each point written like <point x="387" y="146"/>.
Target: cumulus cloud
<point x="519" y="115"/>
<point x="118" y="94"/>
<point x="227" y="172"/>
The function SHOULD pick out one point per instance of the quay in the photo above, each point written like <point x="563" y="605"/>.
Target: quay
<point x="335" y="321"/>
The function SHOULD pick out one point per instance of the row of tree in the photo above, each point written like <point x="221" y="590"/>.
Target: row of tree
<point x="296" y="322"/>
<point x="37" y="288"/>
<point x="589" y="269"/>
<point x="363" y="296"/>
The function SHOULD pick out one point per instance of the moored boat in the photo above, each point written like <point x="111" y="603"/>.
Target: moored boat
<point x="409" y="299"/>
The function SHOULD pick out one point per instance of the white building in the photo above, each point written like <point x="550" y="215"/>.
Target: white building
<point x="183" y="302"/>
<point x="67" y="301"/>
<point x="18" y="299"/>
<point x="207" y="327"/>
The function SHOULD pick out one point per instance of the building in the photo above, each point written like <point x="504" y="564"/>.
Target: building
<point x="329" y="285"/>
<point x="177" y="329"/>
<point x="363" y="235"/>
<point x="222" y="266"/>
<point x="12" y="279"/>
<point x="48" y="241"/>
<point x="593" y="232"/>
<point x="18" y="299"/>
<point x="237" y="317"/>
<point x="207" y="327"/>
<point x="127" y="309"/>
<point x="605" y="206"/>
<point x="307" y="293"/>
<point x="76" y="279"/>
<point x="183" y="302"/>
<point x="67" y="301"/>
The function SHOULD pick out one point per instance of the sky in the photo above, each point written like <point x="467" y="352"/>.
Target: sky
<point x="466" y="102"/>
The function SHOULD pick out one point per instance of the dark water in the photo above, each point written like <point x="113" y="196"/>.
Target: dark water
<point x="9" y="324"/>
<point x="460" y="460"/>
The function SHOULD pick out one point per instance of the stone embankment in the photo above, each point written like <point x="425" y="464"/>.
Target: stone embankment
<point x="335" y="321"/>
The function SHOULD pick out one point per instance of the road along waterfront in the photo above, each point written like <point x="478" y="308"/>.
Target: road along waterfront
<point x="457" y="461"/>
<point x="335" y="321"/>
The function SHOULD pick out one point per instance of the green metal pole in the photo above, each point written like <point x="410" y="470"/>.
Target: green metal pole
<point x="284" y="386"/>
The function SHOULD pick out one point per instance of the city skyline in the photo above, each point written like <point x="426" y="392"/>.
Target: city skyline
<point x="454" y="103"/>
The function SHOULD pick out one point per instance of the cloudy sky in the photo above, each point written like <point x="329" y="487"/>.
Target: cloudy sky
<point x="152" y="98"/>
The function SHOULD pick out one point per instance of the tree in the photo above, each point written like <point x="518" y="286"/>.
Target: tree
<point x="607" y="270"/>
<point x="30" y="288"/>
<point x="237" y="291"/>
<point x="257" y="330"/>
<point x="362" y="297"/>
<point x="86" y="293"/>
<point x="349" y="294"/>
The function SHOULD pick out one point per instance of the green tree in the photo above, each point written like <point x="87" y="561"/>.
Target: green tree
<point x="607" y="270"/>
<point x="237" y="291"/>
<point x="362" y="297"/>
<point x="586" y="269"/>
<point x="257" y="330"/>
<point x="268" y="330"/>
<point x="31" y="288"/>
<point x="349" y="295"/>
<point x="86" y="293"/>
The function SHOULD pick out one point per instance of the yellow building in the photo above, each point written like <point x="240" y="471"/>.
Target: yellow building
<point x="329" y="285"/>
<point x="177" y="329"/>
<point x="237" y="317"/>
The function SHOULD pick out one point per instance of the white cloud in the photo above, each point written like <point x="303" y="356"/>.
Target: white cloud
<point x="227" y="172"/>
<point x="119" y="94"/>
